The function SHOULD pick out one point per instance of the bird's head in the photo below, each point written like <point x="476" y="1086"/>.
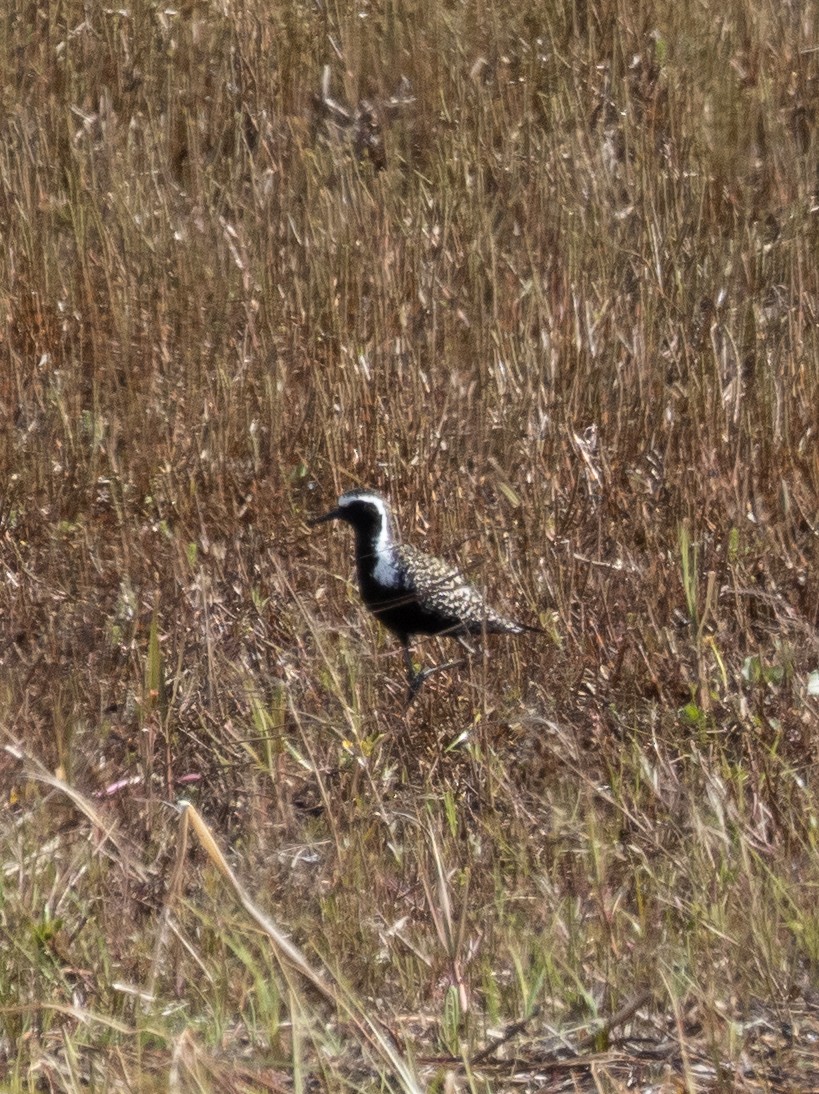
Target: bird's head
<point x="365" y="510"/>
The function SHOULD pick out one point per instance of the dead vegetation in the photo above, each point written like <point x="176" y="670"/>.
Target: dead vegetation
<point x="547" y="276"/>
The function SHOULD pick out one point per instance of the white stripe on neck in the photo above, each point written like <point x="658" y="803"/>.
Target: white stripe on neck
<point x="386" y="570"/>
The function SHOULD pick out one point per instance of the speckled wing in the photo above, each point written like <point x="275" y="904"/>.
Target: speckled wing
<point x="442" y="588"/>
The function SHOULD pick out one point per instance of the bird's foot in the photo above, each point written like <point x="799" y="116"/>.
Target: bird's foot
<point x="417" y="679"/>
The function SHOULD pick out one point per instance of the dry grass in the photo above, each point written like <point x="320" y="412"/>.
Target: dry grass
<point x="556" y="293"/>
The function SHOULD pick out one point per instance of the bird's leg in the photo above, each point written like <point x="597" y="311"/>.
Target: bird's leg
<point x="416" y="677"/>
<point x="411" y="673"/>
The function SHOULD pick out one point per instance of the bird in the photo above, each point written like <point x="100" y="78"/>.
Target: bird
<point x="408" y="591"/>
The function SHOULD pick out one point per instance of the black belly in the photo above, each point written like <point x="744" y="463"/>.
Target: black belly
<point x="404" y="616"/>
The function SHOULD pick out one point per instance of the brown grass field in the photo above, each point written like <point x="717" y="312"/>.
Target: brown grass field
<point x="547" y="274"/>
